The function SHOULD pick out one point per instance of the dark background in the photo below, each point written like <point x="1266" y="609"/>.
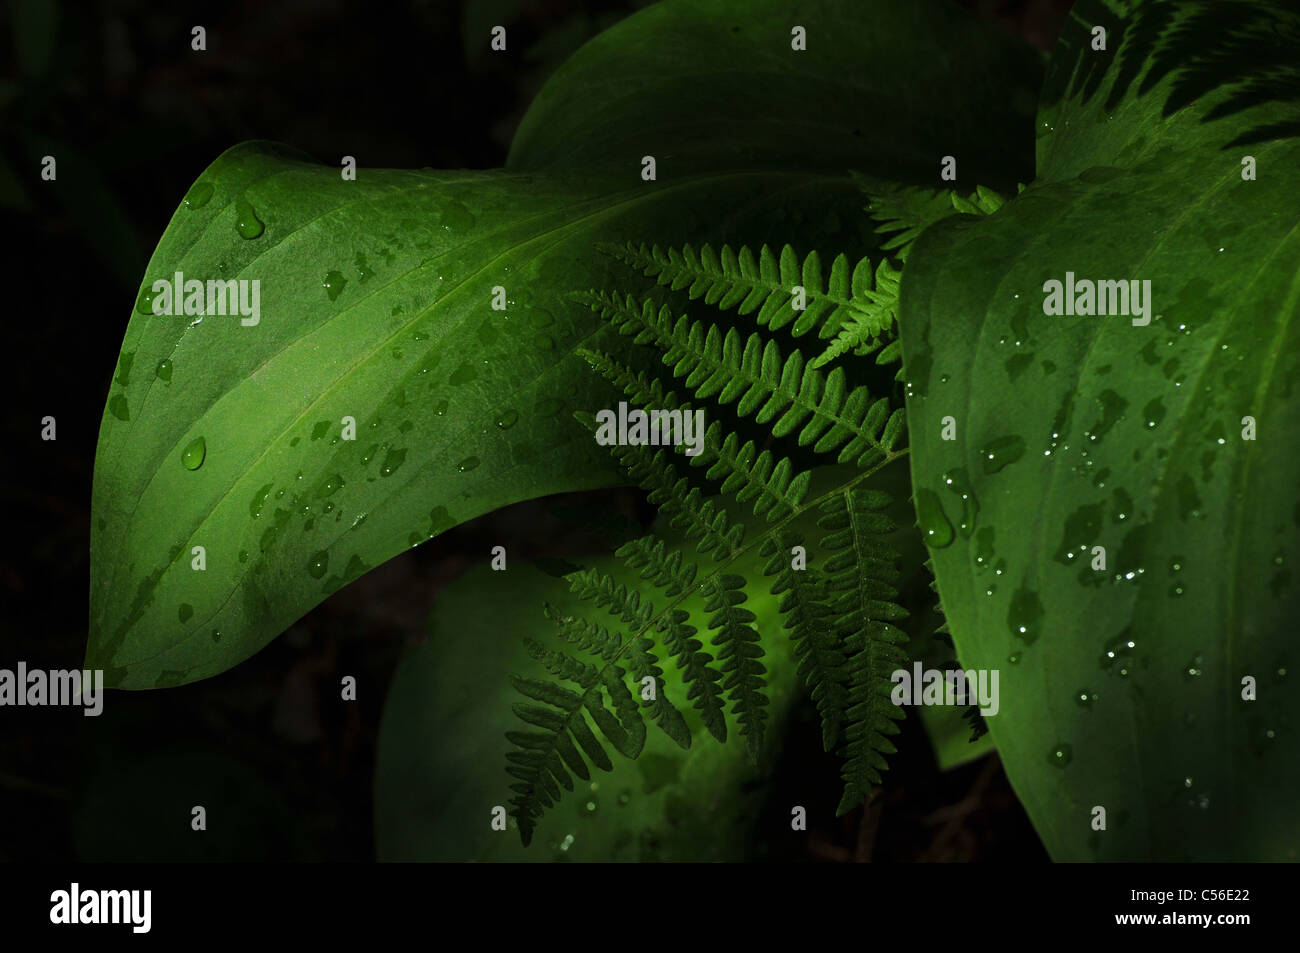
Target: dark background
<point x="133" y="115"/>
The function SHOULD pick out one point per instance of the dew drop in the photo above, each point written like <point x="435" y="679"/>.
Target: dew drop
<point x="469" y="463"/>
<point x="999" y="453"/>
<point x="957" y="481"/>
<point x="463" y="374"/>
<point x="1082" y="529"/>
<point x="456" y="217"/>
<point x="984" y="547"/>
<point x="318" y="563"/>
<point x="194" y="454"/>
<point x="935" y="528"/>
<point x="331" y="486"/>
<point x="185" y="612"/>
<point x="333" y="284"/>
<point x="1112" y="411"/>
<point x="1153" y="413"/>
<point x="144" y="303"/>
<point x="164" y="371"/>
<point x="198" y="195"/>
<point x="1024" y="614"/>
<point x="507" y="419"/>
<point x="439" y="520"/>
<point x="391" y="462"/>
<point x="1060" y="756"/>
<point x="364" y="271"/>
<point x="1117" y="652"/>
<point x="246" y="221"/>
<point x="259" y="500"/>
<point x="1121" y="506"/>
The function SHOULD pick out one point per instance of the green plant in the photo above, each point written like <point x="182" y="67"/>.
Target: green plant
<point x="1034" y="440"/>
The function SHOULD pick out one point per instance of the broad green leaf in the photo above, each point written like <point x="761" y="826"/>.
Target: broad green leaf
<point x="882" y="86"/>
<point x="375" y="305"/>
<point x="1122" y="687"/>
<point x="439" y="769"/>
<point x="375" y="301"/>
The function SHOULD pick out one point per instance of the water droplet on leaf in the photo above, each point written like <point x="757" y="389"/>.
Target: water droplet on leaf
<point x="935" y="528"/>
<point x="194" y="454"/>
<point x="318" y="564"/>
<point x="333" y="284"/>
<point x="1024" y="614"/>
<point x="999" y="453"/>
<point x="246" y="221"/>
<point x="198" y="195"/>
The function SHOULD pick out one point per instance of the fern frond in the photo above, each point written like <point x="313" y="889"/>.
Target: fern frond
<point x="868" y="322"/>
<point x="667" y="570"/>
<point x="542" y="760"/>
<point x="739" y="652"/>
<point x="642" y="662"/>
<point x="760" y="381"/>
<point x="730" y="279"/>
<point x="862" y="572"/>
<point x="904" y="212"/>
<point x="975" y="719"/>
<point x="768" y="480"/>
<point x="808" y="618"/>
<point x="701" y="520"/>
<point x="839" y="614"/>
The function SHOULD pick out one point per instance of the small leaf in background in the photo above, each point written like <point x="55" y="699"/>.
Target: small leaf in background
<point x="441" y="745"/>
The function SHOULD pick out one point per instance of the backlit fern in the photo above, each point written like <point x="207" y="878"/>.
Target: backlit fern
<point x="837" y="595"/>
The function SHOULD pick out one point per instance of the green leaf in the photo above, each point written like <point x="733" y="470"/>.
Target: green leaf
<point x="375" y="305"/>
<point x="438" y="774"/>
<point x="714" y="84"/>
<point x="1122" y="688"/>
